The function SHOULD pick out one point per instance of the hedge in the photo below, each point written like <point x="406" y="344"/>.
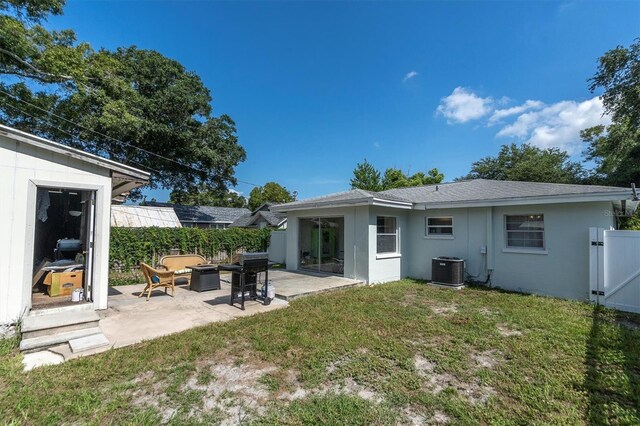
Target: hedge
<point x="130" y="246"/>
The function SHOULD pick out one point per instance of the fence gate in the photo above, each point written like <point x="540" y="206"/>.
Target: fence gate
<point x="614" y="268"/>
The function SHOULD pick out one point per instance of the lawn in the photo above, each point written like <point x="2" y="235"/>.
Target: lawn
<point x="398" y="353"/>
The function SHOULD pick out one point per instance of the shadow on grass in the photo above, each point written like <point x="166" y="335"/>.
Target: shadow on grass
<point x="613" y="368"/>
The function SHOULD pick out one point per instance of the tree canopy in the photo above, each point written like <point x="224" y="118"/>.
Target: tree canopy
<point x="203" y="196"/>
<point x="271" y="192"/>
<point x="367" y="177"/>
<point x="130" y="105"/>
<point x="528" y="163"/>
<point x="616" y="148"/>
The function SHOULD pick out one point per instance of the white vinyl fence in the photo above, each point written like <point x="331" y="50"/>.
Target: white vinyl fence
<point x="278" y="246"/>
<point x="614" y="268"/>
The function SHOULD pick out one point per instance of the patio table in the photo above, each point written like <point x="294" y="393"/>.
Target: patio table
<point x="204" y="278"/>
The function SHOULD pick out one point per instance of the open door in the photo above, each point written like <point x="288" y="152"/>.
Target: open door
<point x="90" y="208"/>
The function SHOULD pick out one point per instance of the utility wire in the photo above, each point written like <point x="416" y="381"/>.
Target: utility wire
<point x="77" y="138"/>
<point x="110" y="137"/>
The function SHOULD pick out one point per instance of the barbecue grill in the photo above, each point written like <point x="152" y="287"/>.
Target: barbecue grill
<point x="244" y="277"/>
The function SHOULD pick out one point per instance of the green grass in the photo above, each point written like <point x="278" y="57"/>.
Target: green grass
<point x="131" y="277"/>
<point x="387" y="354"/>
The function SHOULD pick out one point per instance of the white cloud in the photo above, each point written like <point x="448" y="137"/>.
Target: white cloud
<point x="463" y="105"/>
<point x="410" y="75"/>
<point x="557" y="125"/>
<point x="376" y="145"/>
<point x="500" y="114"/>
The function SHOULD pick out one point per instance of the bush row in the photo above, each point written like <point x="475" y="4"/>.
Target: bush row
<point x="130" y="246"/>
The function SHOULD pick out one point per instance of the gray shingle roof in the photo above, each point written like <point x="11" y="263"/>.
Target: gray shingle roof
<point x="493" y="190"/>
<point x="346" y="197"/>
<point x="478" y="190"/>
<point x="204" y="214"/>
<point x="273" y="219"/>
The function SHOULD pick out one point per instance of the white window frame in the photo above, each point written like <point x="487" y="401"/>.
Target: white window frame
<point x="395" y="253"/>
<point x="438" y="236"/>
<point x="520" y="249"/>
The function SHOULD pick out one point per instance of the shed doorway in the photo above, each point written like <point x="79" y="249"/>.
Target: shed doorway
<point x="321" y="244"/>
<point x="62" y="247"/>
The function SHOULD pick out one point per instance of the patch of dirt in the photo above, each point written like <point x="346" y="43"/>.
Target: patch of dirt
<point x="435" y="383"/>
<point x="508" y="332"/>
<point x="445" y="309"/>
<point x="486" y="311"/>
<point x="439" y="418"/>
<point x="409" y="298"/>
<point x="487" y="359"/>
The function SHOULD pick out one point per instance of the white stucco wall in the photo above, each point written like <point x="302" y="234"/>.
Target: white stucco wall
<point x="22" y="169"/>
<point x="560" y="270"/>
<point x="384" y="268"/>
<point x="356" y="246"/>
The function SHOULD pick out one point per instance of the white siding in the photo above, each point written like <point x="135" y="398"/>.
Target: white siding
<point x="22" y="167"/>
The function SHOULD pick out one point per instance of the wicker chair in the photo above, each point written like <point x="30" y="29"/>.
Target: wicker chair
<point x="156" y="278"/>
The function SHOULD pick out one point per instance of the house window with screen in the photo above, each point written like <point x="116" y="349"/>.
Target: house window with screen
<point x="525" y="231"/>
<point x="387" y="235"/>
<point x="439" y="226"/>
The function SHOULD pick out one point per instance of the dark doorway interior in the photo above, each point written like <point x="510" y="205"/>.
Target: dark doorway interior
<point x="60" y="253"/>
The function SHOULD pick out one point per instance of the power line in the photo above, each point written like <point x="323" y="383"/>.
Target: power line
<point x="110" y="137"/>
<point x="81" y="140"/>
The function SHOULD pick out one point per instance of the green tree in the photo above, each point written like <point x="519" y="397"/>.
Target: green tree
<point x="616" y="148"/>
<point x="204" y="196"/>
<point x="271" y="192"/>
<point x="528" y="163"/>
<point x="131" y="105"/>
<point x="366" y="177"/>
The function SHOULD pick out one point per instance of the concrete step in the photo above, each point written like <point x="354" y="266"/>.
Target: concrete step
<point x="88" y="342"/>
<point x="43" y="325"/>
<point x="43" y="342"/>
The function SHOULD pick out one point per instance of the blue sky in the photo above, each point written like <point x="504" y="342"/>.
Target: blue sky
<point x="316" y="87"/>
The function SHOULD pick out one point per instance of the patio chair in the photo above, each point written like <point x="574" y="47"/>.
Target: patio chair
<point x="156" y="278"/>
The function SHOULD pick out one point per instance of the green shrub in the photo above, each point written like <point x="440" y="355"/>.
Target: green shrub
<point x="130" y="246"/>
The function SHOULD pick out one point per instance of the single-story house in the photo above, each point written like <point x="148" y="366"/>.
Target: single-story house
<point x="204" y="216"/>
<point x="529" y="237"/>
<point x="55" y="224"/>
<point x="262" y="217"/>
<point x="124" y="216"/>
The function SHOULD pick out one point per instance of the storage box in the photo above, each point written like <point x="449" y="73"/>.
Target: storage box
<point x="63" y="283"/>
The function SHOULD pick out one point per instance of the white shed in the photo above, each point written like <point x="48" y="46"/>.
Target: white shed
<point x="54" y="225"/>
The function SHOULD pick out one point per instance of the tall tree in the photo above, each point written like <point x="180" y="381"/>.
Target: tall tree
<point x="204" y="196"/>
<point x="271" y="192"/>
<point x="366" y="177"/>
<point x="616" y="148"/>
<point x="528" y="163"/>
<point x="131" y="105"/>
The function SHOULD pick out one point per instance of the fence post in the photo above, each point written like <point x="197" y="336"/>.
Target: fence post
<point x="593" y="265"/>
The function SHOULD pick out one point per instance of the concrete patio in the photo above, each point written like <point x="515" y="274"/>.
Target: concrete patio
<point x="290" y="285"/>
<point x="131" y="319"/>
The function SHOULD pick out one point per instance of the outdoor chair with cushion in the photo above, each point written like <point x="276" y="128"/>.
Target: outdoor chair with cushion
<point x="156" y="278"/>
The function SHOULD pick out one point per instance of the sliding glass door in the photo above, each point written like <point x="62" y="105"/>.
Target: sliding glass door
<point x="321" y="244"/>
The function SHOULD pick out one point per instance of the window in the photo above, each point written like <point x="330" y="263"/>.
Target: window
<point x="387" y="235"/>
<point x="439" y="226"/>
<point x="525" y="231"/>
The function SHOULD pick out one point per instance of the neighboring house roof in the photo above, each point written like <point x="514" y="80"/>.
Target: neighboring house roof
<point x="204" y="214"/>
<point x="124" y="178"/>
<point x="470" y="193"/>
<point x="143" y="217"/>
<point x="272" y="219"/>
<point x="346" y="198"/>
